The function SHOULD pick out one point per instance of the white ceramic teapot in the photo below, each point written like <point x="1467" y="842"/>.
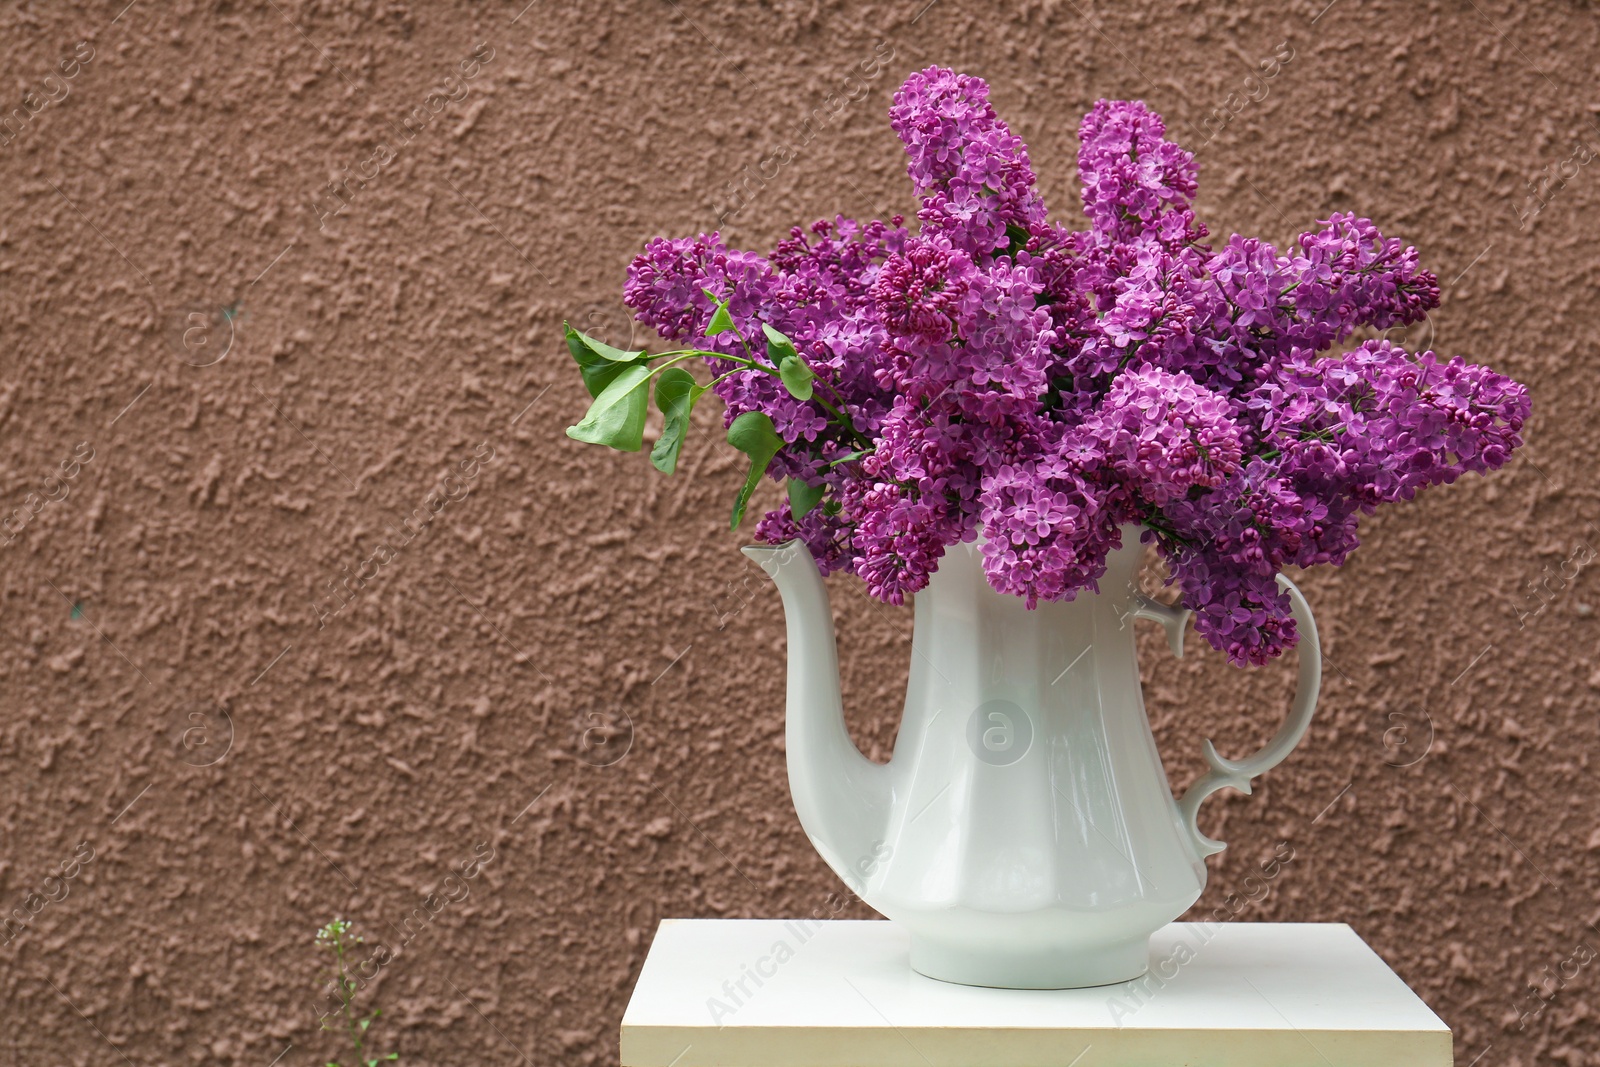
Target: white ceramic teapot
<point x="1023" y="832"/>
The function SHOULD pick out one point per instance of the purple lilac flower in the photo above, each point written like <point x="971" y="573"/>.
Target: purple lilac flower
<point x="1351" y="275"/>
<point x="1008" y="377"/>
<point x="970" y="170"/>
<point x="1136" y="184"/>
<point x="829" y="538"/>
<point x="1047" y="526"/>
<point x="1165" y="435"/>
<point x="918" y="293"/>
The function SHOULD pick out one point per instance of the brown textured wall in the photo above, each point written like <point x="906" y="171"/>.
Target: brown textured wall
<point x="573" y="604"/>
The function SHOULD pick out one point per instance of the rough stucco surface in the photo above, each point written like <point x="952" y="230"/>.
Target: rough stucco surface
<point x="573" y="603"/>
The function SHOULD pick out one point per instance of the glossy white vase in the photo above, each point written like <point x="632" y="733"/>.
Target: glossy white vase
<point x="1023" y="832"/>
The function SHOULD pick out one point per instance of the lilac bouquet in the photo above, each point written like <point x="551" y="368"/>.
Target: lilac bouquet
<point x="995" y="373"/>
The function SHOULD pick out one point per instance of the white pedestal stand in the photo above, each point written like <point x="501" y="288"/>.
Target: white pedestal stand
<point x="806" y="993"/>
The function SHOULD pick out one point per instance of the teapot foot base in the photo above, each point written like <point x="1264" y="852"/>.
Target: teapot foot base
<point x="1057" y="968"/>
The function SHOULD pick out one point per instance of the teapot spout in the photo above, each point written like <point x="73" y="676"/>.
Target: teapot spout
<point x="842" y="798"/>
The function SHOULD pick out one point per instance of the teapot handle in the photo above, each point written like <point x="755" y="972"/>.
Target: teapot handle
<point x="1237" y="774"/>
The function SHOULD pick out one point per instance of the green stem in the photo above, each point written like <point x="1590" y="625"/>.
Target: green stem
<point x="677" y="357"/>
<point x="346" y="994"/>
<point x="840" y="398"/>
<point x="750" y="364"/>
<point x="1151" y="520"/>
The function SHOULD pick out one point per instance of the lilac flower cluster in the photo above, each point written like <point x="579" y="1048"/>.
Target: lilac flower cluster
<point x="997" y="374"/>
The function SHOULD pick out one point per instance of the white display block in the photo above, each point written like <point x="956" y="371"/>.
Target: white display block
<point x="841" y="993"/>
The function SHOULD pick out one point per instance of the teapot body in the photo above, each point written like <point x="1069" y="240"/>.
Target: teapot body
<point x="1031" y="838"/>
<point x="1023" y="832"/>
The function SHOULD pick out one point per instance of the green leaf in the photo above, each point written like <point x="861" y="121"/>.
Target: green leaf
<point x="849" y="458"/>
<point x="752" y="434"/>
<point x="676" y="392"/>
<point x="597" y="361"/>
<point x="603" y="350"/>
<point x="797" y="377"/>
<point x="779" y="347"/>
<point x="721" y="321"/>
<point x="616" y="417"/>
<point x="1018" y="238"/>
<point x="792" y="369"/>
<point x="803" y="497"/>
<point x="364" y="1024"/>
